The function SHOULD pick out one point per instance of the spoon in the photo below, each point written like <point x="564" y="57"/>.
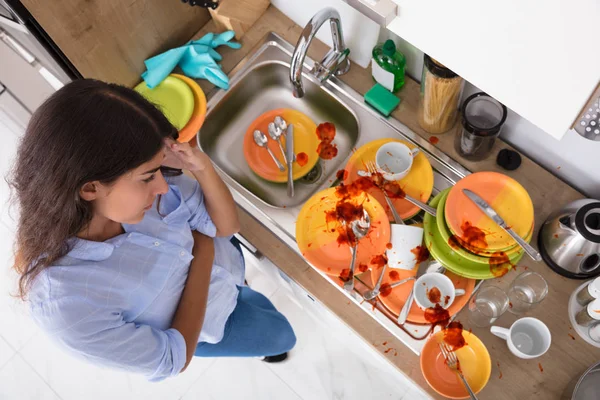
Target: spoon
<point x="261" y="140"/>
<point x="371" y="294"/>
<point x="360" y="228"/>
<point x="275" y="132"/>
<point x="282" y="125"/>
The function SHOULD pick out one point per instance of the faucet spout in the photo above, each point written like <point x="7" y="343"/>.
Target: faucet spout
<point x="335" y="61"/>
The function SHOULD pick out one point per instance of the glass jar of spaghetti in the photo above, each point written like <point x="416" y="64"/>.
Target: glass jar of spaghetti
<point x="440" y="94"/>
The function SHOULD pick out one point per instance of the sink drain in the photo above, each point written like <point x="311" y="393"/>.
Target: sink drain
<point x="313" y="175"/>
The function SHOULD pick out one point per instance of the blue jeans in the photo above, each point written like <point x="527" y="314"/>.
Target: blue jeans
<point x="254" y="328"/>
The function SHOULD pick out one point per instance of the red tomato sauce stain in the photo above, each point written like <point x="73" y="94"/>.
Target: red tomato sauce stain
<point x="572" y="337"/>
<point x="454" y="242"/>
<point x="437" y="315"/>
<point x="394" y="275"/>
<point x="510" y="304"/>
<point x="385" y="290"/>
<point x="434" y="295"/>
<point x="363" y="267"/>
<point x="500" y="264"/>
<point x="453" y="335"/>
<point x="434" y="140"/>
<point x="326" y="133"/>
<point x="392" y="189"/>
<point x="446" y="300"/>
<point x="345" y="275"/>
<point x="341" y="175"/>
<point x="301" y="159"/>
<point x="540" y="367"/>
<point x="388" y="246"/>
<point x="556" y="236"/>
<point x="379" y="261"/>
<point x="500" y="376"/>
<point x="421" y="253"/>
<point x="473" y="236"/>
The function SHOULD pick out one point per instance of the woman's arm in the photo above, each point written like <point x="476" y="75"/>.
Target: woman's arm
<point x="218" y="199"/>
<point x="189" y="316"/>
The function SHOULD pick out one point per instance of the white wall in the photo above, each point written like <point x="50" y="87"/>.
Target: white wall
<point x="573" y="158"/>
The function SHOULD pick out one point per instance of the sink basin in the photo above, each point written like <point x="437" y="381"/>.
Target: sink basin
<point x="260" y="83"/>
<point x="264" y="88"/>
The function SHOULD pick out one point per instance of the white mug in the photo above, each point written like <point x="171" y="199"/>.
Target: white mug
<point x="394" y="160"/>
<point x="404" y="239"/>
<point x="444" y="284"/>
<point x="527" y="337"/>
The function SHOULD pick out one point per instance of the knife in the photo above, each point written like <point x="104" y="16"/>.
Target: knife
<point x="289" y="144"/>
<point x="411" y="296"/>
<point x="490" y="212"/>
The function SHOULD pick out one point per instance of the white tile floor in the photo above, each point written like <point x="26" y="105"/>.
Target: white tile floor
<point x="329" y="361"/>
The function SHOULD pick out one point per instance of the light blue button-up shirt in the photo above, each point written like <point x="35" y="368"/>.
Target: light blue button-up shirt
<point x="112" y="302"/>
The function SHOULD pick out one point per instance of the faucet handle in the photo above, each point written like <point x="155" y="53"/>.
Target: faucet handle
<point x="335" y="63"/>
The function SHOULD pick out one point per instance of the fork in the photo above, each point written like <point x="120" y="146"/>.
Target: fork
<point x="452" y="362"/>
<point x="425" y="207"/>
<point x="373" y="170"/>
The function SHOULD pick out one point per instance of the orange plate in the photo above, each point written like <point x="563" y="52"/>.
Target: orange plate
<point x="305" y="141"/>
<point x="318" y="243"/>
<point x="475" y="363"/>
<point x="418" y="183"/>
<point x="189" y="131"/>
<point x="396" y="299"/>
<point x="510" y="200"/>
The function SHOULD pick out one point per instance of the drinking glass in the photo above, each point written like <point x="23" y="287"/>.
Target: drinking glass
<point x="526" y="292"/>
<point x="488" y="304"/>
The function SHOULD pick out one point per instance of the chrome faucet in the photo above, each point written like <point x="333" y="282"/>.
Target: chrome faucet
<point x="335" y="61"/>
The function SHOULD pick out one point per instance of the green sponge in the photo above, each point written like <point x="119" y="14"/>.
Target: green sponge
<point x="381" y="99"/>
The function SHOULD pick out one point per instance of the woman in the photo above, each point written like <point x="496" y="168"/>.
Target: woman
<point x="122" y="264"/>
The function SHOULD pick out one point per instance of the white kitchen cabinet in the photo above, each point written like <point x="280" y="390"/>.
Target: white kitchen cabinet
<point x="539" y="58"/>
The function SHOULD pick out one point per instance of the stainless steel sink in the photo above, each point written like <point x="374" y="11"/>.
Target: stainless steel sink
<point x="263" y="88"/>
<point x="259" y="83"/>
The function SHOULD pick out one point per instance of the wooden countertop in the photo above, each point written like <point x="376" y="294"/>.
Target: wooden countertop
<point x="512" y="378"/>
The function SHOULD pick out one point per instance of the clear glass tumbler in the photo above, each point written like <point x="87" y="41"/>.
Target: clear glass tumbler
<point x="488" y="304"/>
<point x="526" y="292"/>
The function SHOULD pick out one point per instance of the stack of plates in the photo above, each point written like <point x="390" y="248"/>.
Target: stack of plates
<point x="181" y="100"/>
<point x="468" y="242"/>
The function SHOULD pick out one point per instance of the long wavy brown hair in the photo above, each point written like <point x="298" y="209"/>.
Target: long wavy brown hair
<point x="87" y="131"/>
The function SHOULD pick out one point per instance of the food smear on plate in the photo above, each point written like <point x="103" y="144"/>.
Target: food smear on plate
<point x="389" y="246"/>
<point x="394" y="276"/>
<point x="473" y="236"/>
<point x="500" y="264"/>
<point x="454" y="242"/>
<point x="363" y="267"/>
<point x="437" y="315"/>
<point x="345" y="275"/>
<point x="301" y="159"/>
<point x="379" y="260"/>
<point x="434" y="295"/>
<point x="341" y="175"/>
<point x="326" y="133"/>
<point x="421" y="253"/>
<point x="453" y="335"/>
<point x="385" y="290"/>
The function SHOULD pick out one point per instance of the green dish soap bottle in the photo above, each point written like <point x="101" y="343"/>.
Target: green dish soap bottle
<point x="388" y="66"/>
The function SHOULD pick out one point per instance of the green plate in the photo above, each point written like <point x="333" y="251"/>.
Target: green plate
<point x="441" y="250"/>
<point x="444" y="230"/>
<point x="174" y="98"/>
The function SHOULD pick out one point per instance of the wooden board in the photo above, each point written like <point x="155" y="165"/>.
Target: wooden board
<point x="110" y="39"/>
<point x="512" y="378"/>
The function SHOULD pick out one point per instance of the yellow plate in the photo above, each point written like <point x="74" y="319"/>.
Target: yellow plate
<point x="317" y="238"/>
<point x="418" y="183"/>
<point x="475" y="363"/>
<point x="305" y="146"/>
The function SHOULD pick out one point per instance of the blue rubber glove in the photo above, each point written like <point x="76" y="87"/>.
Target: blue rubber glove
<point x="202" y="65"/>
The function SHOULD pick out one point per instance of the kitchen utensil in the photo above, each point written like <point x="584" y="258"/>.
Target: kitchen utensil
<point x="418" y="183"/>
<point x="406" y="243"/>
<point x="475" y="364"/>
<point x="435" y="266"/>
<point x="394" y="300"/>
<point x="527" y="291"/>
<point x="261" y="140"/>
<point x="590" y="292"/>
<point x="586" y="387"/>
<point x="527" y="338"/>
<point x="406" y="308"/>
<point x="452" y="363"/>
<point x="373" y="169"/>
<point x="569" y="240"/>
<point x="586" y="333"/>
<point x="290" y="159"/>
<point x="463" y="248"/>
<point x="444" y="252"/>
<point x="305" y="143"/>
<point x="282" y="124"/>
<point x="428" y="284"/>
<point x="317" y="237"/>
<point x="505" y="195"/>
<point x="275" y="134"/>
<point x="360" y="229"/>
<point x="174" y="98"/>
<point x="488" y="304"/>
<point x="189" y="131"/>
<point x="482" y="120"/>
<point x="490" y="212"/>
<point x="394" y="160"/>
<point x="371" y="294"/>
